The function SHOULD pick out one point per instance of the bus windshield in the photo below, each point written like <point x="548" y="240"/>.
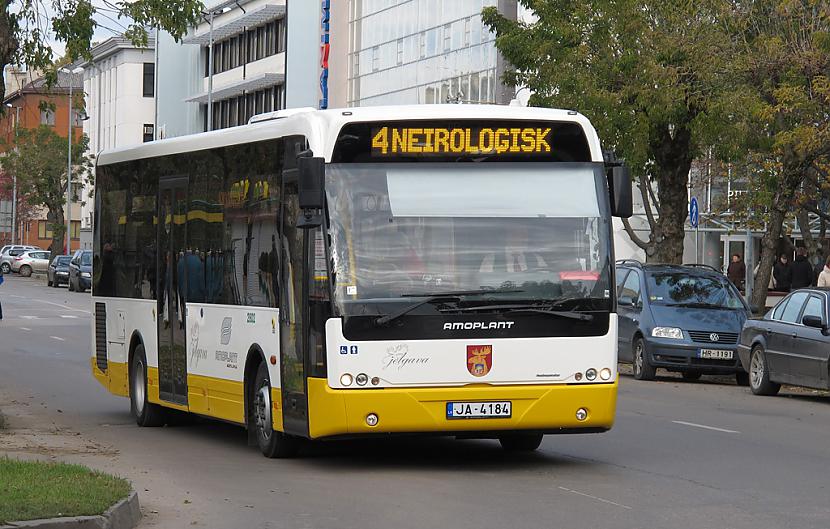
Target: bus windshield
<point x="535" y="231"/>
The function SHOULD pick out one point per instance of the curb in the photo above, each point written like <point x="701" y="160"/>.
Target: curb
<point x="123" y="515"/>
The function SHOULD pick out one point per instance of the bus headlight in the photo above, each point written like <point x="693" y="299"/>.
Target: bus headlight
<point x="591" y="374"/>
<point x="667" y="332"/>
<point x="605" y="374"/>
<point x="361" y="379"/>
<point x="346" y="379"/>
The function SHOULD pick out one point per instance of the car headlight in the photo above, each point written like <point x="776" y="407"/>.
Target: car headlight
<point x="667" y="332"/>
<point x="85" y="274"/>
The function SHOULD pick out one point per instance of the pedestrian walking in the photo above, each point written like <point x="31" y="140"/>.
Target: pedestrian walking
<point x="782" y="272"/>
<point x="801" y="270"/>
<point x="736" y="272"/>
<point x="824" y="276"/>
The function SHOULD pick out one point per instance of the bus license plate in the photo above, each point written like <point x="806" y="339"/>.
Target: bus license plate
<point x="479" y="410"/>
<point x="716" y="354"/>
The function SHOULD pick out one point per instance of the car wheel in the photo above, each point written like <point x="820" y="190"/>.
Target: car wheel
<point x="643" y="370"/>
<point x="146" y="413"/>
<point x="521" y="442"/>
<point x="6" y="268"/>
<point x="759" y="381"/>
<point x="25" y="271"/>
<point x="271" y="442"/>
<point x="691" y="375"/>
<point x="742" y="378"/>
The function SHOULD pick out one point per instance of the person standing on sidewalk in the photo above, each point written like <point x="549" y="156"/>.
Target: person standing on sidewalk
<point x="782" y="274"/>
<point x="824" y="276"/>
<point x="801" y="271"/>
<point x="736" y="272"/>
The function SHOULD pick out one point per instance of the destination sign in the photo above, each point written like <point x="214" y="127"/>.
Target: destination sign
<point x="459" y="140"/>
<point x="466" y="140"/>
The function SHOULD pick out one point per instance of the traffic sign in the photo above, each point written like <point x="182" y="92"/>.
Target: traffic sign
<point x="693" y="212"/>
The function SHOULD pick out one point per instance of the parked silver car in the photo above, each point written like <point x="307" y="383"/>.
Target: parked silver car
<point x="9" y="252"/>
<point x="31" y="261"/>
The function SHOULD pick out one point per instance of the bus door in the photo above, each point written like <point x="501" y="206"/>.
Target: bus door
<point x="293" y="312"/>
<point x="172" y="282"/>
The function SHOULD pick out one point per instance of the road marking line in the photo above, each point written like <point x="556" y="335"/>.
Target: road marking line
<point x="62" y="306"/>
<point x="695" y="425"/>
<point x="25" y="329"/>
<point x="58" y="338"/>
<point x="69" y="316"/>
<point x="603" y="500"/>
<point x="30" y="317"/>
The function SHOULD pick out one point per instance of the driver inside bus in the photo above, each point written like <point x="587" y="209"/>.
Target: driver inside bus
<point x="516" y="255"/>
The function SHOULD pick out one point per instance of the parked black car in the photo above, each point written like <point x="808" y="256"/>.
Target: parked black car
<point x="680" y="318"/>
<point x="790" y="344"/>
<point x="58" y="271"/>
<point x="80" y="271"/>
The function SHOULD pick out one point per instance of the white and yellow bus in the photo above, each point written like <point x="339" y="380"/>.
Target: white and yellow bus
<point x="441" y="269"/>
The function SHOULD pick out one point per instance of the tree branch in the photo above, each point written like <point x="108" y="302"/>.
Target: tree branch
<point x="633" y="236"/>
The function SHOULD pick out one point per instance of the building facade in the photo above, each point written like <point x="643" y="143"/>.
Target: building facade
<point x="418" y="51"/>
<point x="119" y="82"/>
<point x="23" y="109"/>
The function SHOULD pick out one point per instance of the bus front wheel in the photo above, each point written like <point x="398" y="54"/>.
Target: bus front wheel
<point x="271" y="442"/>
<point x="521" y="442"/>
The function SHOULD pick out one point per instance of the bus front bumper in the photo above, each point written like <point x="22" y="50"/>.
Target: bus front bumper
<point x="538" y="408"/>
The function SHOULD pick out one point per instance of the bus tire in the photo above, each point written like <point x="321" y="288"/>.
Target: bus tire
<point x="521" y="442"/>
<point x="272" y="443"/>
<point x="146" y="413"/>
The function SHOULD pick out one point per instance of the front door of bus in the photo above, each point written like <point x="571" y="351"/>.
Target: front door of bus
<point x="293" y="313"/>
<point x="171" y="274"/>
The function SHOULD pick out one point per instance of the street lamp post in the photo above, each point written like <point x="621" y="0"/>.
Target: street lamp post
<point x="14" y="178"/>
<point x="69" y="161"/>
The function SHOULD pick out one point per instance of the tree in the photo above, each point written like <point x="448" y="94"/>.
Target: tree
<point x="25" y="211"/>
<point x="783" y="62"/>
<point x="649" y="74"/>
<point x="40" y="163"/>
<point x="26" y="25"/>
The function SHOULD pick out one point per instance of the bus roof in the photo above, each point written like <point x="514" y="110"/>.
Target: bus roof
<point x="321" y="127"/>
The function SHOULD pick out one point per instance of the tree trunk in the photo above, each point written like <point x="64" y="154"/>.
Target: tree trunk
<point x="673" y="160"/>
<point x="8" y="43"/>
<point x="54" y="217"/>
<point x="813" y="246"/>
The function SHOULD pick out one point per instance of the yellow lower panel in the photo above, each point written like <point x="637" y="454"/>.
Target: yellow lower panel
<point x="416" y="410"/>
<point x="224" y="397"/>
<point x="276" y="409"/>
<point x="116" y="378"/>
<point x="153" y="390"/>
<point x="99" y="375"/>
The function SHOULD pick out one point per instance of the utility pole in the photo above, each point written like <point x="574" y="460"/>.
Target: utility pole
<point x="14" y="177"/>
<point x="69" y="161"/>
<point x="210" y="74"/>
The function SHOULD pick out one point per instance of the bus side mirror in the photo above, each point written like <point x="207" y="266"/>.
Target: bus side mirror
<point x="619" y="186"/>
<point x="311" y="191"/>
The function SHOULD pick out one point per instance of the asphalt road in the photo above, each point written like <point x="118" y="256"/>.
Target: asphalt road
<point x="682" y="455"/>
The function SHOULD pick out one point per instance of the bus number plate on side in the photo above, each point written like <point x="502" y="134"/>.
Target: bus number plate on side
<point x="479" y="410"/>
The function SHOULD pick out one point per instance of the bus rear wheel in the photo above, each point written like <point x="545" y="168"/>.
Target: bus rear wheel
<point x="525" y="442"/>
<point x="146" y="413"/>
<point x="271" y="442"/>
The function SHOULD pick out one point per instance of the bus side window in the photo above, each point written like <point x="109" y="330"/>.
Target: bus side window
<point x="319" y="302"/>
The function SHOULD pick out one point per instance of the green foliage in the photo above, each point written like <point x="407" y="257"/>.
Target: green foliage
<point x="25" y="32"/>
<point x="40" y="162"/>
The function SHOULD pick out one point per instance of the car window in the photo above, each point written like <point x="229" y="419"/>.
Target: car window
<point x="631" y="287"/>
<point x="621" y="273"/>
<point x="814" y="307"/>
<point x="86" y="258"/>
<point x="779" y="309"/>
<point x="793" y="308"/>
<point x="63" y="260"/>
<point x="15" y="252"/>
<point x="683" y="288"/>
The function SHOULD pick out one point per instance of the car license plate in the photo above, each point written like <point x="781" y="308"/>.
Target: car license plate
<point x="479" y="410"/>
<point x="716" y="354"/>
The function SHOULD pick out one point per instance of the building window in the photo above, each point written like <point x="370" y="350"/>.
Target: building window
<point x="149" y="129"/>
<point x="400" y="51"/>
<point x="376" y="58"/>
<point x="47" y="117"/>
<point x="467" y="31"/>
<point x="75" y="230"/>
<point x="44" y="230"/>
<point x="149" y="79"/>
<point x="238" y="110"/>
<point x="447" y="37"/>
<point x="77" y="118"/>
<point x="249" y="46"/>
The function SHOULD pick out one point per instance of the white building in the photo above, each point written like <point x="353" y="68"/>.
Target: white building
<point x="120" y="87"/>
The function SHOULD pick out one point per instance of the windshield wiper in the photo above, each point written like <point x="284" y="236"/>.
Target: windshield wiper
<point x="529" y="307"/>
<point x="436" y="297"/>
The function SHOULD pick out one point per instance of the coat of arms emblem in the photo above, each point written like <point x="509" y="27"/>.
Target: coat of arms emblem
<point x="479" y="359"/>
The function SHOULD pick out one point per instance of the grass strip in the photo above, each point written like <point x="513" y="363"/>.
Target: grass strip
<point x="30" y="490"/>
